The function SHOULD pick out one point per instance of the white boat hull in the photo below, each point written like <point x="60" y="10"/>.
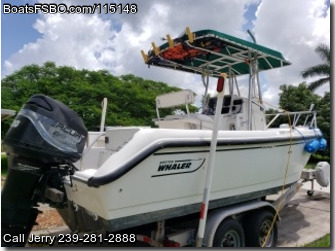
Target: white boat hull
<point x="165" y="174"/>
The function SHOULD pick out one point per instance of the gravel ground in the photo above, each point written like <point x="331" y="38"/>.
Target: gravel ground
<point x="48" y="219"/>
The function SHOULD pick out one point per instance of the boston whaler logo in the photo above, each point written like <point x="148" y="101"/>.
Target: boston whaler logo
<point x="171" y="167"/>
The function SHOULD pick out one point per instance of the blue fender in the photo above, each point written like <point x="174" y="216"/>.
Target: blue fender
<point x="312" y="146"/>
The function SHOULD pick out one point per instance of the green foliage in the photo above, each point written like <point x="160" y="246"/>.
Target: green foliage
<point x="280" y="120"/>
<point x="293" y="99"/>
<point x="131" y="99"/>
<point x="299" y="98"/>
<point x="322" y="70"/>
<point x="323" y="120"/>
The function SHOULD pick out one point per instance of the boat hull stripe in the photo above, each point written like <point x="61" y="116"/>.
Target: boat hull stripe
<point x="97" y="181"/>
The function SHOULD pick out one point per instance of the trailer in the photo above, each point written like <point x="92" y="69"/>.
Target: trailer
<point x="247" y="224"/>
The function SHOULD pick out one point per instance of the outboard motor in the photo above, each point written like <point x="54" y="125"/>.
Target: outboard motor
<point x="45" y="138"/>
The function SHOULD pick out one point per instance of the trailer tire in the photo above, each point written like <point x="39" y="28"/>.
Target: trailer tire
<point x="256" y="228"/>
<point x="229" y="234"/>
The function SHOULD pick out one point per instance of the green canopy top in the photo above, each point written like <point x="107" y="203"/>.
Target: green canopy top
<point x="213" y="53"/>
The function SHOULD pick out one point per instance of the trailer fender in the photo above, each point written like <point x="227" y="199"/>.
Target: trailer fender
<point x="216" y="216"/>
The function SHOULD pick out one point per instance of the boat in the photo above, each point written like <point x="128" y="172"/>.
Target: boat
<point x="125" y="177"/>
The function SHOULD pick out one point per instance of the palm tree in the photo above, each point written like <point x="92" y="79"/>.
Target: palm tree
<point x="320" y="69"/>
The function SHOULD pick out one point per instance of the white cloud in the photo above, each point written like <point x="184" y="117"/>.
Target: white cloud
<point x="295" y="28"/>
<point x="114" y="42"/>
<point x="77" y="40"/>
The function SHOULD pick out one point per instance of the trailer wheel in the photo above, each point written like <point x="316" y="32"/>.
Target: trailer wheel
<point x="257" y="227"/>
<point x="229" y="234"/>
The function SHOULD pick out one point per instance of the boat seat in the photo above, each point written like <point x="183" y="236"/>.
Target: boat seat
<point x="174" y="99"/>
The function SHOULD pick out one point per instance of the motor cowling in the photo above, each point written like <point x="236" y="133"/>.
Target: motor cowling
<point x="45" y="134"/>
<point x="46" y="131"/>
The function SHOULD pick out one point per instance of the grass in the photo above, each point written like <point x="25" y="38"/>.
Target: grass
<point x="310" y="165"/>
<point x="323" y="242"/>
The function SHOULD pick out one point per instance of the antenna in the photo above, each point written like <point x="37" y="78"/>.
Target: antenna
<point x="252" y="36"/>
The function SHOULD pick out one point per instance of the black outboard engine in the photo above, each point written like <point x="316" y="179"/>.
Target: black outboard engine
<point x="44" y="135"/>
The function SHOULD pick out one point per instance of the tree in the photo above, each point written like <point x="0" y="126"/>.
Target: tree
<point x="322" y="70"/>
<point x="323" y="119"/>
<point x="293" y="99"/>
<point x="299" y="98"/>
<point x="131" y="99"/>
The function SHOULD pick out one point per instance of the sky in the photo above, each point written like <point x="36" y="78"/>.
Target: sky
<point x="114" y="41"/>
